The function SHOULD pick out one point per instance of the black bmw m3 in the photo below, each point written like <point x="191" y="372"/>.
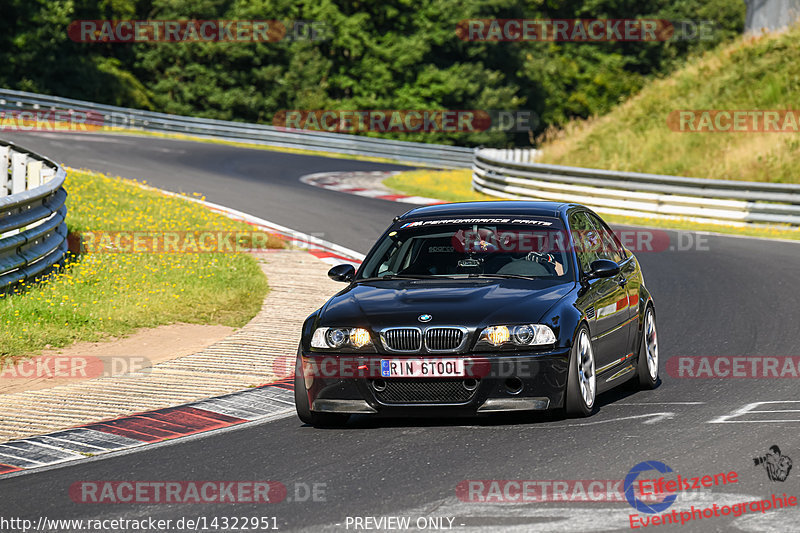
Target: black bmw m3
<point x="480" y="307"/>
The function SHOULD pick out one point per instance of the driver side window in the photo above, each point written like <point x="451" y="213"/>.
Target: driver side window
<point x="611" y="249"/>
<point x="586" y="240"/>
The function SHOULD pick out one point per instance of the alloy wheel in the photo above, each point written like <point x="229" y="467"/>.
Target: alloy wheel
<point x="586" y="368"/>
<point x="651" y="344"/>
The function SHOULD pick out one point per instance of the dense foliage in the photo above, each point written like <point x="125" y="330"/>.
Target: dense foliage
<point x="392" y="54"/>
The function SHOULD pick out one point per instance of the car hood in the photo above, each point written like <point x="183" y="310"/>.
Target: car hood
<point x="470" y="303"/>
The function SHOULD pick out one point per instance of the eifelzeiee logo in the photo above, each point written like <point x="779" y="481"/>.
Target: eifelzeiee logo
<point x="630" y="493"/>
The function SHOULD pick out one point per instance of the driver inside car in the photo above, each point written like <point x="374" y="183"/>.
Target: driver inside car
<point x="482" y="250"/>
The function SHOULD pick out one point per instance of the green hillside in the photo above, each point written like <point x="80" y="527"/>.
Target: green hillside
<point x="754" y="73"/>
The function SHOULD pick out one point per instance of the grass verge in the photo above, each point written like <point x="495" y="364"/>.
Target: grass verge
<point x="97" y="295"/>
<point x="456" y="186"/>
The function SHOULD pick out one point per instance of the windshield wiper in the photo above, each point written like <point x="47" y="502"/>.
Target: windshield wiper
<point x="403" y="276"/>
<point x="446" y="276"/>
<point x="502" y="276"/>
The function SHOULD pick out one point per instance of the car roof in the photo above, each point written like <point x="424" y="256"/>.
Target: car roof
<point x="488" y="209"/>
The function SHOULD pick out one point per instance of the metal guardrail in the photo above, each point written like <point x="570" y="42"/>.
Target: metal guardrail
<point x="33" y="234"/>
<point x="509" y="174"/>
<point x="430" y="154"/>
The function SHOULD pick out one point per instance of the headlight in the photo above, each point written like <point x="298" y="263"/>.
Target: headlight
<point x="496" y="335"/>
<point x="335" y="338"/>
<point x="359" y="337"/>
<point x="521" y="335"/>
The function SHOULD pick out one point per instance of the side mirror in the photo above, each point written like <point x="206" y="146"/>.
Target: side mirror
<point x="603" y="268"/>
<point x="344" y="273"/>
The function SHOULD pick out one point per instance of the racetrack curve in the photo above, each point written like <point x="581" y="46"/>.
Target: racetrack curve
<point x="731" y="297"/>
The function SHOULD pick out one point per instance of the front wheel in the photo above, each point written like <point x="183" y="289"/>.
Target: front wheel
<point x="304" y="412"/>
<point x="581" y="382"/>
<point x="647" y="367"/>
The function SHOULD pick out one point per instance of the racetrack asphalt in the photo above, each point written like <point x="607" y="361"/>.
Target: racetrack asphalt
<point x="722" y="296"/>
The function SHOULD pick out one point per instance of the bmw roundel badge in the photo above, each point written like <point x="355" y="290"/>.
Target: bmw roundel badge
<point x="425" y="318"/>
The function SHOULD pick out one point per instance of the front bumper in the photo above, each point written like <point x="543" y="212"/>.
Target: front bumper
<point x="495" y="382"/>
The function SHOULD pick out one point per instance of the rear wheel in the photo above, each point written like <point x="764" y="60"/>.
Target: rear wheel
<point x="581" y="382"/>
<point x="304" y="412"/>
<point x="647" y="367"/>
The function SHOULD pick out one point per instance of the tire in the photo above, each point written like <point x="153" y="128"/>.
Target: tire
<point x="304" y="412"/>
<point x="581" y="381"/>
<point x="647" y="366"/>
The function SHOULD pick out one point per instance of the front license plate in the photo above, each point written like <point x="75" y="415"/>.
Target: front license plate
<point x="422" y="368"/>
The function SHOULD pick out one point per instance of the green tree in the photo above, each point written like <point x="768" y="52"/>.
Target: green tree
<point x="397" y="54"/>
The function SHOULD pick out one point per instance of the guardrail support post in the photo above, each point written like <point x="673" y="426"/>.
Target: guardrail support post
<point x="18" y="172"/>
<point x="34" y="174"/>
<point x="5" y="182"/>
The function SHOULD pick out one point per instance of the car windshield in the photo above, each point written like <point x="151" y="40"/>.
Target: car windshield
<point x="533" y="249"/>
